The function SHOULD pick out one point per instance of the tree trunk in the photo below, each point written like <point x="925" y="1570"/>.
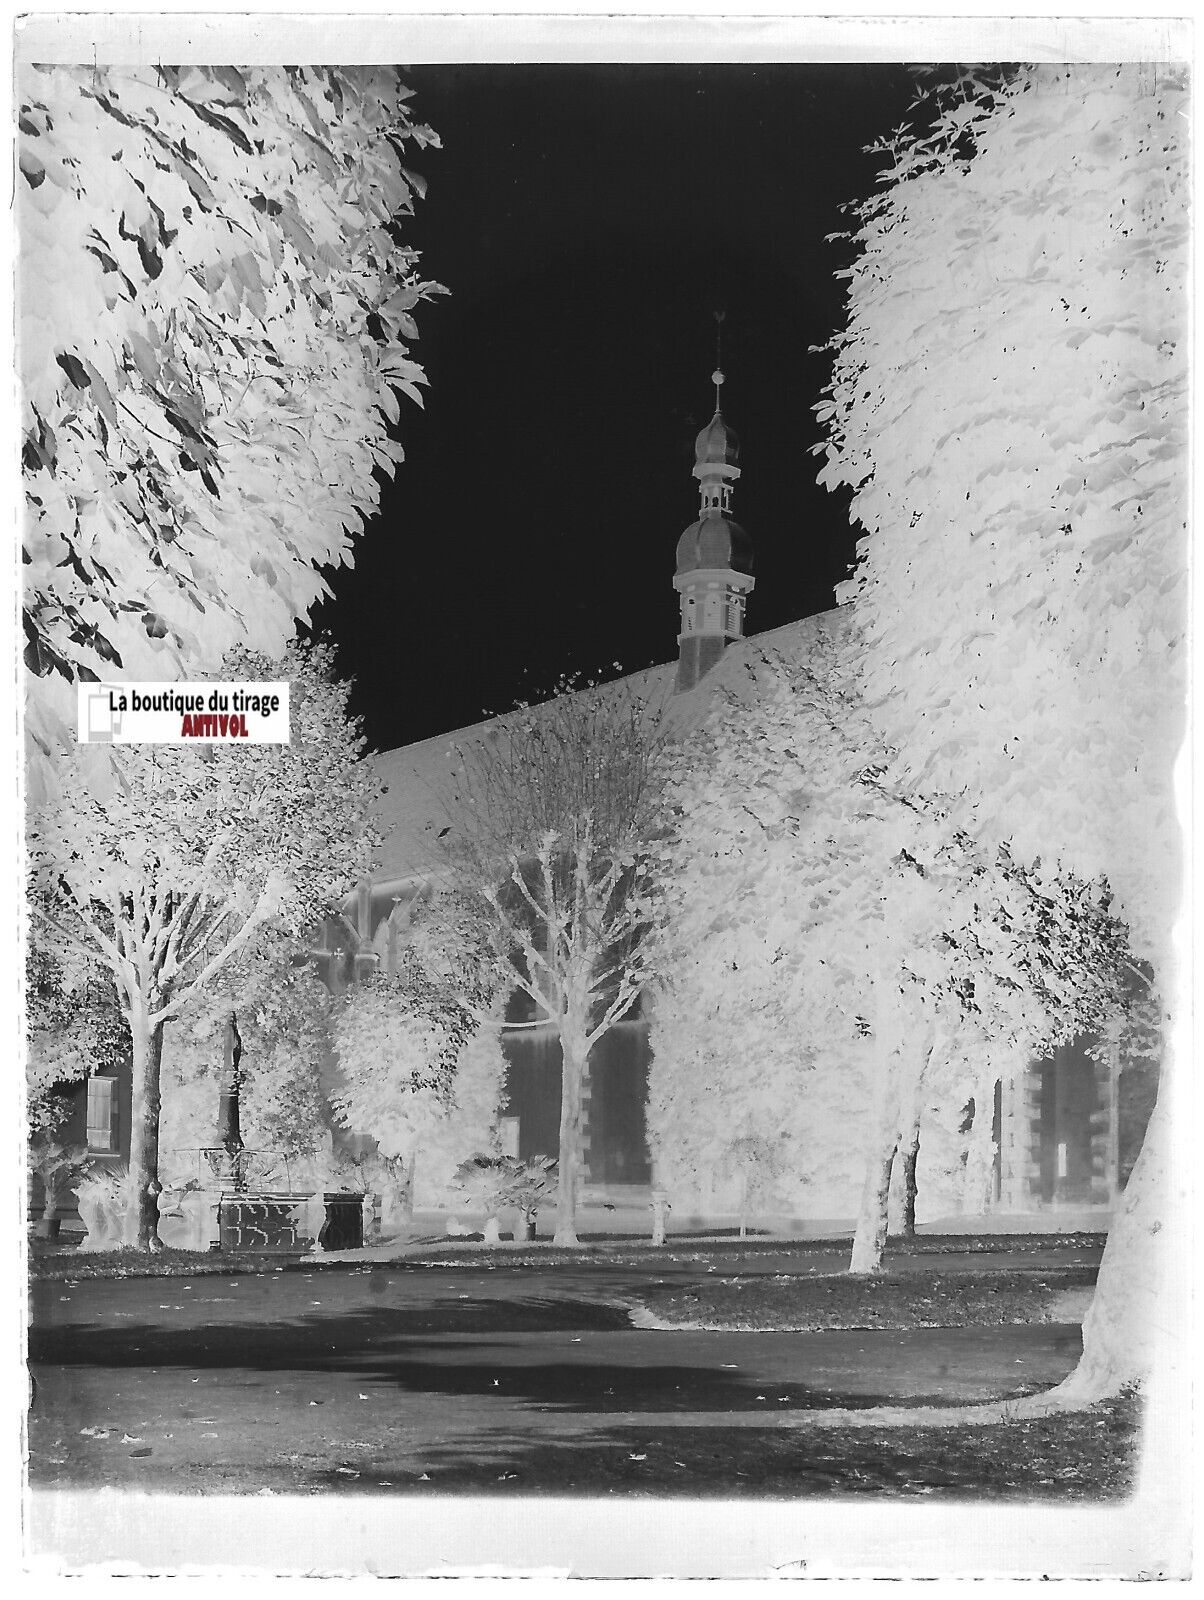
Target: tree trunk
<point x="572" y="1054"/>
<point x="142" y="1217"/>
<point x="1128" y="1311"/>
<point x="869" y="1236"/>
<point x="869" y="1240"/>
<point x="658" y="1216"/>
<point x="909" y="1149"/>
<point x="52" y="1193"/>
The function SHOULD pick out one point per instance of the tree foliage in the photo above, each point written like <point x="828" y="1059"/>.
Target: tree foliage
<point x="194" y="855"/>
<point x="838" y="957"/>
<point x="73" y="1027"/>
<point x="419" y="1073"/>
<point x="552" y="812"/>
<point x="215" y="323"/>
<point x="283" y="1013"/>
<point x="1009" y="408"/>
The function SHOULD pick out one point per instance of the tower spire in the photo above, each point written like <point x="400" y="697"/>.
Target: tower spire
<point x="717" y="375"/>
<point x="714" y="554"/>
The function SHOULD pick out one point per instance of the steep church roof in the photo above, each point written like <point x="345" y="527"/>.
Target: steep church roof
<point x="412" y="811"/>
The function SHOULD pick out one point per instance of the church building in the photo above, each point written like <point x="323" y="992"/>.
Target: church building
<point x="1063" y="1140"/>
<point x="713" y="579"/>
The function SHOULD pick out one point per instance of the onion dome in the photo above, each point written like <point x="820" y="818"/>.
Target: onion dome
<point x="715" y="542"/>
<point x="717" y="444"/>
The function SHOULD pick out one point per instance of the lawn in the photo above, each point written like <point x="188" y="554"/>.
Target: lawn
<point x="425" y="1315"/>
<point x="60" y="1264"/>
<point x="917" y="1298"/>
<point x="1087" y="1455"/>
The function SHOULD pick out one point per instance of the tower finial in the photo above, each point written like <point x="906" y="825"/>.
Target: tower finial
<point x="717" y="375"/>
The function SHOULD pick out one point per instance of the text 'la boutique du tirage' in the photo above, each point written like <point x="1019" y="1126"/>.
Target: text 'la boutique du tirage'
<point x="171" y="713"/>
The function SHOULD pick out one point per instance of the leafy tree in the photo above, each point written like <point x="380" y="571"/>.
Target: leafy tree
<point x="419" y="1060"/>
<point x="837" y="955"/>
<point x="758" y="1161"/>
<point x="193" y="855"/>
<point x="417" y="1070"/>
<point x="73" y="1027"/>
<point x="1009" y="408"/>
<point x="283" y="1015"/>
<point x="215" y="323"/>
<point x="552" y="813"/>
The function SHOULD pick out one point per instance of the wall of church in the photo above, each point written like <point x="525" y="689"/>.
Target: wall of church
<point x="614" y="1097"/>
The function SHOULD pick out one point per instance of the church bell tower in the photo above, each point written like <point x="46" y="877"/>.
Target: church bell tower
<point x="714" y="555"/>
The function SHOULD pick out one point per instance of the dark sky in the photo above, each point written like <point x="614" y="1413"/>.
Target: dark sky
<point x="589" y="220"/>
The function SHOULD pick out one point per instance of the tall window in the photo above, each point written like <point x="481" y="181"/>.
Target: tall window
<point x="102" y="1114"/>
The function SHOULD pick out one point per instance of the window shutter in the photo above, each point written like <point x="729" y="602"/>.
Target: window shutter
<point x="102" y="1106"/>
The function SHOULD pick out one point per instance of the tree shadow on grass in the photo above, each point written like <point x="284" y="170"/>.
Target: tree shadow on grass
<point x="481" y="1351"/>
<point x="370" y="1345"/>
<point x="1088" y="1456"/>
